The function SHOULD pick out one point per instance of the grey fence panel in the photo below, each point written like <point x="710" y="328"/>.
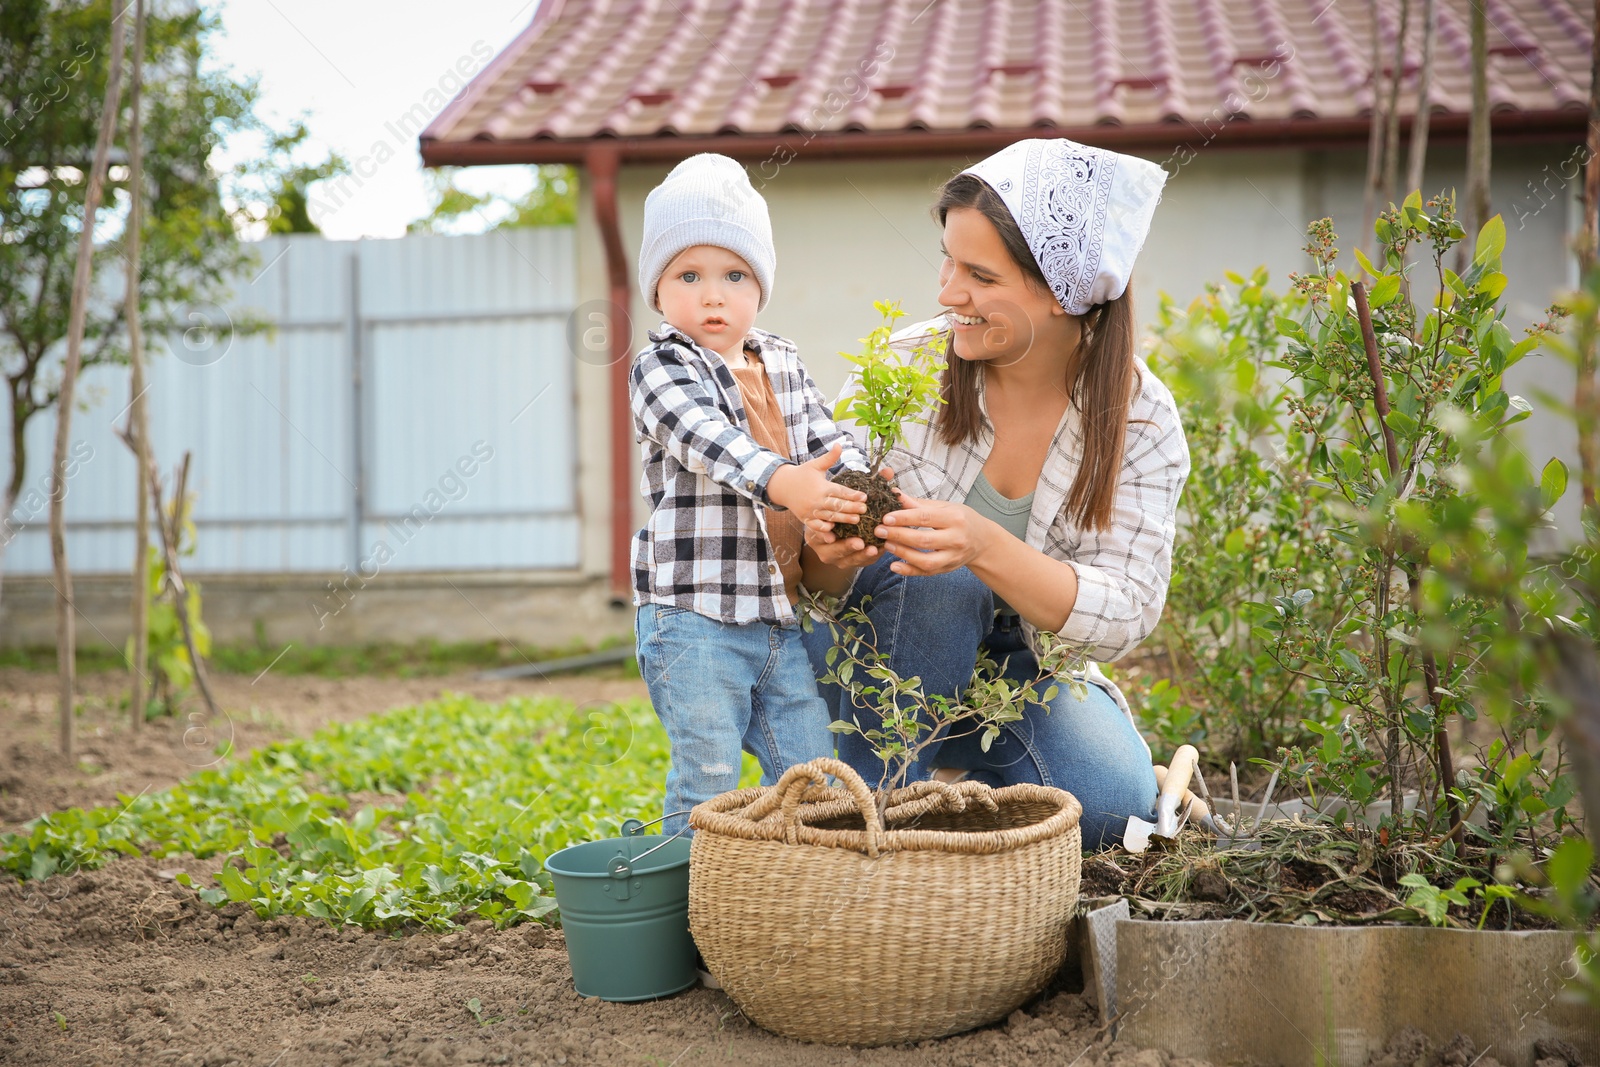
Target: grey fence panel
<point x="384" y="366"/>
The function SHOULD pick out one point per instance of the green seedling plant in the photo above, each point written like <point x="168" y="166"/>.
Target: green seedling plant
<point x="171" y="670"/>
<point x="465" y="799"/>
<point x="889" y="389"/>
<point x="1432" y="902"/>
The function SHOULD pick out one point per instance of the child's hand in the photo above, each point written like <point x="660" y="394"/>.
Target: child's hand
<point x="847" y="553"/>
<point x="804" y="489"/>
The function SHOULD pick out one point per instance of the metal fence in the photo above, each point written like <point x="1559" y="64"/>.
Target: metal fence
<point x="410" y="406"/>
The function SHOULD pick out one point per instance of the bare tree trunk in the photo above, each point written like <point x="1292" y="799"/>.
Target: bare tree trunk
<point x="1369" y="207"/>
<point x="1391" y="137"/>
<point x="137" y="434"/>
<point x="1583" y="400"/>
<point x="1419" y="125"/>
<point x="65" y="636"/>
<point x="1577" y="677"/>
<point x="1589" y="240"/>
<point x="1477" y="212"/>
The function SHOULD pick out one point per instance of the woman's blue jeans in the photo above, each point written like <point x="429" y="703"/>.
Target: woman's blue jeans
<point x="932" y="627"/>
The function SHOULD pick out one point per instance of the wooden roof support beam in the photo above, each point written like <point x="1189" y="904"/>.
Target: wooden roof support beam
<point x="602" y="160"/>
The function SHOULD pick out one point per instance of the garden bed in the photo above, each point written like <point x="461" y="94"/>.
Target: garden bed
<point x="1304" y="873"/>
<point x="122" y="964"/>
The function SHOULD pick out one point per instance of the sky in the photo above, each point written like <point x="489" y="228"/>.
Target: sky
<point x="353" y="68"/>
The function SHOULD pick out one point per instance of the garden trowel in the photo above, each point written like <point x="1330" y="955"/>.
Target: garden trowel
<point x="1171" y="810"/>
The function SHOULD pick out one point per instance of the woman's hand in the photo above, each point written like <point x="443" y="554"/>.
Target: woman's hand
<point x="949" y="536"/>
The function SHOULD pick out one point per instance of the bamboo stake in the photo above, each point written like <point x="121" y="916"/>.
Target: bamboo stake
<point x="171" y="527"/>
<point x="1380" y="395"/>
<point x="137" y="433"/>
<point x="1391" y="139"/>
<point x="1584" y="401"/>
<point x="66" y="637"/>
<point x="1380" y="402"/>
<point x="1589" y="244"/>
<point x="1419" y="125"/>
<point x="1477" y="212"/>
<point x="1375" y="132"/>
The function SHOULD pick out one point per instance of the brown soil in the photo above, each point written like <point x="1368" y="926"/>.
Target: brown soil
<point x="124" y="966"/>
<point x="881" y="500"/>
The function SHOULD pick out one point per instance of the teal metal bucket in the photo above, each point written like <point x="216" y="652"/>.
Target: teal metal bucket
<point x="626" y="915"/>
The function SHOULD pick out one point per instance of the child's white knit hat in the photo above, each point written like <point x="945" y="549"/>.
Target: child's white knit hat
<point x="706" y="200"/>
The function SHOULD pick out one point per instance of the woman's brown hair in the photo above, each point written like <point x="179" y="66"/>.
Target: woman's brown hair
<point x="1101" y="387"/>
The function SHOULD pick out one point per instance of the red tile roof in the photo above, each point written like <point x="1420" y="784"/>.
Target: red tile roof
<point x="660" y="77"/>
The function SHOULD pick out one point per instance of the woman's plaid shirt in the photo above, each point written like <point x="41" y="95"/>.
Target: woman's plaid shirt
<point x="1123" y="571"/>
<point x="705" y="546"/>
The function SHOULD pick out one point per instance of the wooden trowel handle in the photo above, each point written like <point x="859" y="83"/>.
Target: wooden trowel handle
<point x="1179" y="771"/>
<point x="1199" y="806"/>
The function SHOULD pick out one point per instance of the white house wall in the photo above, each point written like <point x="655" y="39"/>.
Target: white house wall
<point x="848" y="233"/>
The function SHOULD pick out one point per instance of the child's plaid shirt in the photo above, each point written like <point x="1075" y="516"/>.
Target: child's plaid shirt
<point x="705" y="546"/>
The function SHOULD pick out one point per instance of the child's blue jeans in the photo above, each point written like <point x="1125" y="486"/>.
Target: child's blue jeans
<point x="721" y="689"/>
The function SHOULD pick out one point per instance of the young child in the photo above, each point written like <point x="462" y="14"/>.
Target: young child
<point x="737" y="445"/>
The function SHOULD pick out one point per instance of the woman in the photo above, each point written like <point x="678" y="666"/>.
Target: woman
<point x="1041" y="496"/>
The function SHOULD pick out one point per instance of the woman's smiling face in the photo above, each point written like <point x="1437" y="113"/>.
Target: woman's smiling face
<point x="996" y="312"/>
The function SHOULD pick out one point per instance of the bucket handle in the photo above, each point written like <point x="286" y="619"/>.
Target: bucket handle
<point x="631" y="827"/>
<point x="791" y="790"/>
<point x="622" y="867"/>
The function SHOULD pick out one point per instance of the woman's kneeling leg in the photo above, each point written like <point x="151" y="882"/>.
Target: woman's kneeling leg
<point x="927" y="627"/>
<point x="1087" y="747"/>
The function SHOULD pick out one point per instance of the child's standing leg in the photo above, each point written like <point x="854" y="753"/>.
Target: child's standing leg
<point x="789" y="718"/>
<point x="719" y="689"/>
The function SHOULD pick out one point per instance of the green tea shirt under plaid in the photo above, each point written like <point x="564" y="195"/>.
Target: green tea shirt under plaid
<point x="705" y="546"/>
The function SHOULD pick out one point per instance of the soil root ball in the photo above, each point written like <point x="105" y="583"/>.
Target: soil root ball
<point x="881" y="500"/>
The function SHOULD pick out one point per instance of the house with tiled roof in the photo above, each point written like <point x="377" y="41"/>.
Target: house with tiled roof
<point x="850" y="113"/>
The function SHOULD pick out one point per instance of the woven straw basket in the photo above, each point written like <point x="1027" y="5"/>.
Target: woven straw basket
<point x="823" y="924"/>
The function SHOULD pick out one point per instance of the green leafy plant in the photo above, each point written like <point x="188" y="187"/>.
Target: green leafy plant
<point x="1250" y="516"/>
<point x="465" y="801"/>
<point x="1382" y="387"/>
<point x="1434" y="903"/>
<point x="889" y="389"/>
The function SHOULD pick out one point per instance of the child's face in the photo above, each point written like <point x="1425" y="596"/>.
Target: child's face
<point x="710" y="294"/>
